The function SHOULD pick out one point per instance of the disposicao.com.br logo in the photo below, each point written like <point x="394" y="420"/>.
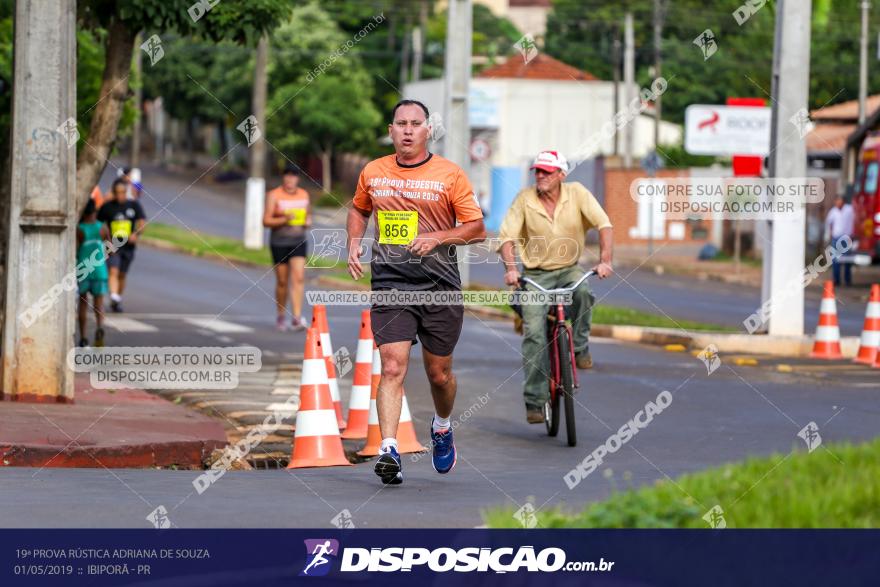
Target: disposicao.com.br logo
<point x="318" y="553"/>
<point x="441" y="560"/>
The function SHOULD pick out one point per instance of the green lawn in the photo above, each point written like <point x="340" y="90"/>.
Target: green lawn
<point x="616" y="315"/>
<point x="802" y="490"/>
<point x="207" y="245"/>
<point x="201" y="244"/>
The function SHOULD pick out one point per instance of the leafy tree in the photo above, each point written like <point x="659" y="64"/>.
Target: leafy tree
<point x="329" y="120"/>
<point x="581" y="33"/>
<point x="240" y="21"/>
<point x="319" y="100"/>
<point x="199" y="79"/>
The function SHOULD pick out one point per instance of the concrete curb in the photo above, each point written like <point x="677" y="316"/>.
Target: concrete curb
<point x="192" y="454"/>
<point x="780" y="346"/>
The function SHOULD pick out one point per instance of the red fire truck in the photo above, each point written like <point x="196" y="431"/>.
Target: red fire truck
<point x="865" y="202"/>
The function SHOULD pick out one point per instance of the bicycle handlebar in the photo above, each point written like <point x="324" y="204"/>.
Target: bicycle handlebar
<point x="524" y="280"/>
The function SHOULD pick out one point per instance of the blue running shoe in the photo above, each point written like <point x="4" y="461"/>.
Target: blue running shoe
<point x="389" y="468"/>
<point x="443" y="457"/>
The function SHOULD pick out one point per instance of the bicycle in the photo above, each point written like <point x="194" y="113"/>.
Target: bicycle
<point x="563" y="375"/>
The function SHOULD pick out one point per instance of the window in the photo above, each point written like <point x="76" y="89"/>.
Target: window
<point x="871" y="178"/>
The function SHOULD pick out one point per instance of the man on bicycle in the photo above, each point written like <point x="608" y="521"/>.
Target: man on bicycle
<point x="548" y="223"/>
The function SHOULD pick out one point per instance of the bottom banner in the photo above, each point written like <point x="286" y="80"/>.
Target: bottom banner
<point x="400" y="557"/>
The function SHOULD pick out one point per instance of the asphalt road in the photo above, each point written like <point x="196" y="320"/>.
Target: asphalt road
<point x="733" y="413"/>
<point x="220" y="210"/>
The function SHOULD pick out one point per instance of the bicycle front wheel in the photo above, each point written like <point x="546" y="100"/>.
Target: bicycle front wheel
<point x="566" y="382"/>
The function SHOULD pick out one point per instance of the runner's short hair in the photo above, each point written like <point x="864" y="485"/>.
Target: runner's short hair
<point x="409" y="103"/>
<point x="117" y="182"/>
<point x="90" y="208"/>
<point x="290" y="170"/>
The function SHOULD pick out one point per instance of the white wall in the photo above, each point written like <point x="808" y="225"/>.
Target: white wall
<point x="550" y="114"/>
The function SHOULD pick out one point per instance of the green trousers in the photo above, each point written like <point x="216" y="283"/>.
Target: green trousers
<point x="535" y="346"/>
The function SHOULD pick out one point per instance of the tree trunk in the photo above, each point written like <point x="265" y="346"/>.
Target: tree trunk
<point x="105" y="121"/>
<point x="221" y="130"/>
<point x="326" y="158"/>
<point x="190" y="143"/>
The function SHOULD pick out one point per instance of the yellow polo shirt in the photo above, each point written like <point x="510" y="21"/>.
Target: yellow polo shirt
<point x="552" y="243"/>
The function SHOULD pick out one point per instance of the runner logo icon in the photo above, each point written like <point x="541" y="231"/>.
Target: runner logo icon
<point x="318" y="556"/>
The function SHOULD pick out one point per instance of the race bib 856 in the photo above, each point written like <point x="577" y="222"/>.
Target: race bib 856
<point x="397" y="227"/>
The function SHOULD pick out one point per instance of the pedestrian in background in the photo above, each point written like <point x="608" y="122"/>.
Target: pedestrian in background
<point x="90" y="237"/>
<point x="839" y="224"/>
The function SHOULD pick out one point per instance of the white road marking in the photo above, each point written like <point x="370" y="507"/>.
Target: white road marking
<point x="125" y="324"/>
<point x="218" y="325"/>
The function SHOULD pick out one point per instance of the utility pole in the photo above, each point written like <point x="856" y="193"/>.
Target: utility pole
<point x="418" y="41"/>
<point x="863" y="62"/>
<point x="406" y="41"/>
<point x="256" y="183"/>
<point x="615" y="61"/>
<point x="659" y="17"/>
<point x="629" y="82"/>
<point x="457" y="75"/>
<point x="135" y="158"/>
<point x="788" y="159"/>
<point x="41" y="280"/>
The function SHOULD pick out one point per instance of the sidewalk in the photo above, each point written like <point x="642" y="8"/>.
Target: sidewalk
<point x="123" y="429"/>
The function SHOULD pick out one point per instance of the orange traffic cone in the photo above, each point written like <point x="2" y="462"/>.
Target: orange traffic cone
<point x="316" y="441"/>
<point x="827" y="344"/>
<point x="406" y="432"/>
<point x="319" y="321"/>
<point x="870" y="342"/>
<point x="359" y="404"/>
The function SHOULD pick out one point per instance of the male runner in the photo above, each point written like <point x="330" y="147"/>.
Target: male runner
<point x="416" y="199"/>
<point x="125" y="218"/>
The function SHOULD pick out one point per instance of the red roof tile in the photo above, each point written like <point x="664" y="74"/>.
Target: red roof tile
<point x="848" y="110"/>
<point x="542" y="66"/>
<point x="828" y="137"/>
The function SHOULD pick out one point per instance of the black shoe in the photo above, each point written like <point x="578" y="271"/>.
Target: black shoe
<point x="116" y="306"/>
<point x="389" y="468"/>
<point x="83" y="342"/>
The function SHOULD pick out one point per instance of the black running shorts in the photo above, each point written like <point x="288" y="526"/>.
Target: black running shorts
<point x="436" y="326"/>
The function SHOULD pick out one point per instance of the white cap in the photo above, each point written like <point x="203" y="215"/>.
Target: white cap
<point x="550" y="161"/>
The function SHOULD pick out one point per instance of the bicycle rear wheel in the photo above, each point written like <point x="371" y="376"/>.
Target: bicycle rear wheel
<point x="566" y="382"/>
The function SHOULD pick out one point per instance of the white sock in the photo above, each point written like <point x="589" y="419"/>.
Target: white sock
<point x="387" y="443"/>
<point x="439" y="423"/>
<point x="116" y="297"/>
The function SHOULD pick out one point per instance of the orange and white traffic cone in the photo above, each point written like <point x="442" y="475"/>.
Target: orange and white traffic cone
<point x="359" y="403"/>
<point x="316" y="441"/>
<point x="870" y="342"/>
<point x="406" y="432"/>
<point x="319" y="321"/>
<point x="827" y="343"/>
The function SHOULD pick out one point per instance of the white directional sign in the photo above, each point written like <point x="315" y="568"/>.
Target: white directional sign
<point x="726" y="130"/>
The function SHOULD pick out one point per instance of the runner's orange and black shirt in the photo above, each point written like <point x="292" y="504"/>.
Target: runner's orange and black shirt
<point x="410" y="200"/>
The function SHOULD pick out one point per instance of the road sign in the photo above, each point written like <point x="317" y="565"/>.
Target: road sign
<point x="726" y="130"/>
<point x="480" y="150"/>
<point x="652" y="162"/>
